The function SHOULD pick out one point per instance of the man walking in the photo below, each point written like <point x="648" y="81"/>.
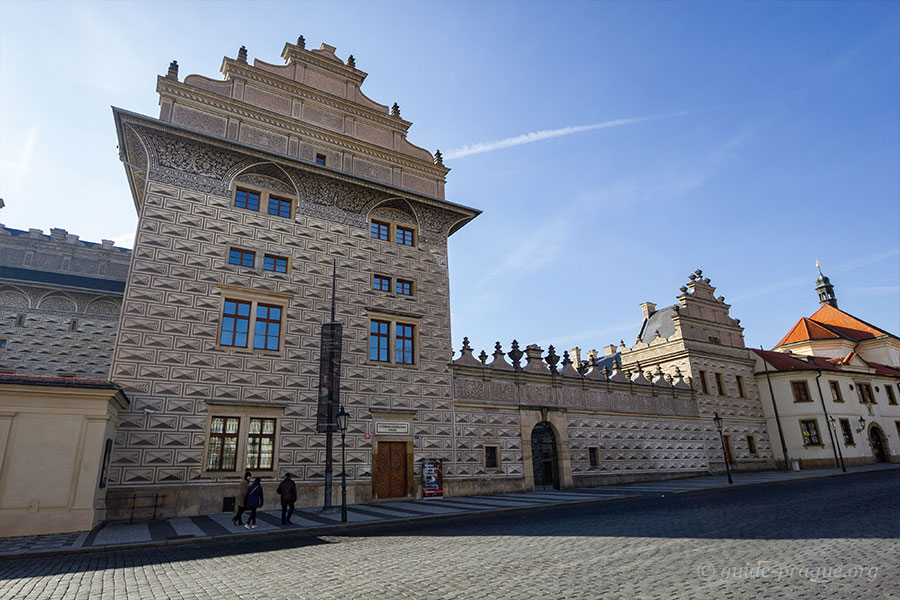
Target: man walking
<point x="287" y="489"/>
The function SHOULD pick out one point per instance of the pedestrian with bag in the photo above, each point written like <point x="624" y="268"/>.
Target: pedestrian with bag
<point x="242" y="506"/>
<point x="253" y="500"/>
<point x="287" y="489"/>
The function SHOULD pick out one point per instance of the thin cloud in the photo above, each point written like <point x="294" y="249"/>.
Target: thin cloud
<point x="536" y="136"/>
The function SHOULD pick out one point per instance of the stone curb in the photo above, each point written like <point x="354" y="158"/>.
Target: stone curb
<point x="792" y="480"/>
<point x="305" y="531"/>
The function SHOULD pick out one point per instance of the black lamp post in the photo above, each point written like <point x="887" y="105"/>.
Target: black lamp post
<point x="343" y="420"/>
<point x="837" y="444"/>
<point x="718" y="421"/>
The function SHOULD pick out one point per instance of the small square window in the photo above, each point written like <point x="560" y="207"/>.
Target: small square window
<point x="247" y="199"/>
<point x="274" y="263"/>
<point x="20" y="320"/>
<point x="2" y="343"/>
<point x="801" y="391"/>
<point x="810" y="433"/>
<point x="405" y="236"/>
<point x="380" y="283"/>
<point x="404" y="287"/>
<point x="847" y="432"/>
<point x="243" y="258"/>
<point x="73" y="325"/>
<point x="714" y="340"/>
<point x="491" y="457"/>
<point x="380" y="231"/>
<point x="279" y="206"/>
<point x="594" y="457"/>
<point x="751" y="444"/>
<point x="835" y="391"/>
<point x="320" y="160"/>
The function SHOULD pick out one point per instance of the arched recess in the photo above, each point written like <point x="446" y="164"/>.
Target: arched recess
<point x="102" y="307"/>
<point x="545" y="457"/>
<point x="266" y="175"/>
<point x="58" y="301"/>
<point x="398" y="210"/>
<point x="881" y="450"/>
<point x="14" y="297"/>
<point x="136" y="157"/>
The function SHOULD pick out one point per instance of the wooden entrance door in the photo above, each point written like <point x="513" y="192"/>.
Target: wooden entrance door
<point x="390" y="470"/>
<point x="878" y="445"/>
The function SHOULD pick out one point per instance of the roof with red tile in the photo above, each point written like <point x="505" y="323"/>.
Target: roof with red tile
<point x="807" y="329"/>
<point x="831" y="323"/>
<point x="781" y="361"/>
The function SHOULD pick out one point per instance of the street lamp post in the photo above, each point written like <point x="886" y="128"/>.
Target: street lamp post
<point x="718" y="421"/>
<point x="343" y="420"/>
<point x="837" y="445"/>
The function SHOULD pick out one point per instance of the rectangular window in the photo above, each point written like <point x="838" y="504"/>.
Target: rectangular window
<point x="801" y="391"/>
<point x="720" y="387"/>
<point x="897" y="424"/>
<point x="279" y="206"/>
<point x="810" y="432"/>
<point x="73" y="325"/>
<point x="404" y="344"/>
<point x="380" y="231"/>
<point x="2" y="343"/>
<point x="864" y="391"/>
<point x="405" y="236"/>
<point x="740" y="385"/>
<point x="594" y="457"/>
<point x="404" y="287"/>
<point x="320" y="160"/>
<point x="491" y="457"/>
<point x="890" y="394"/>
<point x="260" y="444"/>
<point x="268" y="327"/>
<point x="835" y="387"/>
<point x="223" y="438"/>
<point x="274" y="263"/>
<point x="379" y="337"/>
<point x="380" y="283"/>
<point x="751" y="444"/>
<point x="20" y="320"/>
<point x="703" y="387"/>
<point x="243" y="258"/>
<point x="847" y="432"/>
<point x="247" y="199"/>
<point x="235" y="324"/>
<point x="713" y="340"/>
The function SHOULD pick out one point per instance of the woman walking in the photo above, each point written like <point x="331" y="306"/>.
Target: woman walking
<point x="253" y="500"/>
<point x="242" y="506"/>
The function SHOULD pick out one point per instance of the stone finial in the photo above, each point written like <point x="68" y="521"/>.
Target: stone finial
<point x="465" y="355"/>
<point x="499" y="361"/>
<point x="301" y="42"/>
<point x="515" y="355"/>
<point x="698" y="272"/>
<point x="466" y="346"/>
<point x="692" y="277"/>
<point x="351" y="62"/>
<point x="534" y="359"/>
<point x="438" y="158"/>
<point x="552" y="359"/>
<point x="605" y="372"/>
<point x="242" y="54"/>
<point x="567" y="370"/>
<point x="683" y="289"/>
<point x="395" y="110"/>
<point x="721" y="299"/>
<point x="706" y="280"/>
<point x="483" y="357"/>
<point x="173" y="70"/>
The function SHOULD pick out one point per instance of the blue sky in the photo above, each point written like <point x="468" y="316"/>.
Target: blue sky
<point x="746" y="139"/>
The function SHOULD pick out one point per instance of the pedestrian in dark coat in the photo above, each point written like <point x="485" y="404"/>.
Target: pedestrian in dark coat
<point x="253" y="500"/>
<point x="245" y="483"/>
<point x="287" y="489"/>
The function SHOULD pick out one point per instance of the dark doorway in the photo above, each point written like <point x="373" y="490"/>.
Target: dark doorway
<point x="876" y="437"/>
<point x="390" y="470"/>
<point x="543" y="457"/>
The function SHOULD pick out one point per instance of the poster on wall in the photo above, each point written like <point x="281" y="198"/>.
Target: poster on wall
<point x="433" y="478"/>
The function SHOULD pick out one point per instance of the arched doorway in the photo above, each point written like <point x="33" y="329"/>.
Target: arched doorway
<point x="879" y="444"/>
<point x="543" y="457"/>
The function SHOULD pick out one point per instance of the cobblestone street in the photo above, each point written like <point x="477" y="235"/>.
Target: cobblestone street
<point x="826" y="538"/>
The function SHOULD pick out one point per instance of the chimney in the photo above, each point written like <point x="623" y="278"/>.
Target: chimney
<point x="610" y="350"/>
<point x="648" y="308"/>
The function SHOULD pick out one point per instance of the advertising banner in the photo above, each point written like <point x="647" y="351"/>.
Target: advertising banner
<point x="433" y="478"/>
<point x="329" y="378"/>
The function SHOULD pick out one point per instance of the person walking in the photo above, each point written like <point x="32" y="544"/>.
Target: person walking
<point x="287" y="489"/>
<point x="253" y="500"/>
<point x="245" y="483"/>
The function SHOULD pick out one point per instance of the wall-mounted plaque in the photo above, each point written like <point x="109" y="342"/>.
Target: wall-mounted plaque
<point x="392" y="428"/>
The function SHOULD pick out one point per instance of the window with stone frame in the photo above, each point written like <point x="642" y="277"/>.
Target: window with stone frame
<point x="267" y="329"/>
<point x="704" y="387"/>
<point x="740" y="386"/>
<point x="751" y="444"/>
<point x="223" y="439"/>
<point x="897" y="424"/>
<point x="380" y="230"/>
<point x="393" y="341"/>
<point x="73" y="325"/>
<point x="3" y="342"/>
<point x="379" y="340"/>
<point x="405" y="236"/>
<point x="801" y="391"/>
<point x="235" y="323"/>
<point x="847" y="432"/>
<point x="404" y="287"/>
<point x="321" y="160"/>
<point x="835" y="387"/>
<point x="381" y="283"/>
<point x="280" y="207"/>
<point x="261" y="444"/>
<point x="594" y="456"/>
<point x="252" y="319"/>
<point x="20" y="320"/>
<point x="720" y="386"/>
<point x="890" y="393"/>
<point x="865" y="394"/>
<point x="241" y="258"/>
<point x="404" y="348"/>
<point x="277" y="264"/>
<point x="810" y="431"/>
<point x="246" y="199"/>
<point x="491" y="457"/>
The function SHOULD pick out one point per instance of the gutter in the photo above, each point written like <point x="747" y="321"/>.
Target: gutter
<point x="831" y="433"/>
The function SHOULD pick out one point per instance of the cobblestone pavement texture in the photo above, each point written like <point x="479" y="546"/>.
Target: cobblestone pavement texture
<point x="824" y="538"/>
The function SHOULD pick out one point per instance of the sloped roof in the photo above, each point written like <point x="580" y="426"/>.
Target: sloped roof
<point x="831" y="323"/>
<point x="781" y="361"/>
<point x="73" y="382"/>
<point x="660" y="321"/>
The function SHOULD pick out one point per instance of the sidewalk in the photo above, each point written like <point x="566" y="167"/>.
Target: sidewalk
<point x="182" y="530"/>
